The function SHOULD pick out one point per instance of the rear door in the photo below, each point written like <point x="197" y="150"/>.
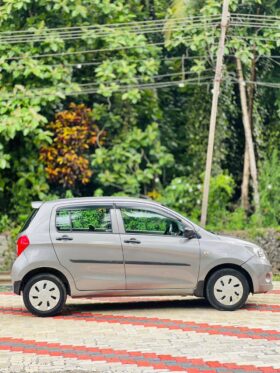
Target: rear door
<point x="157" y="255"/>
<point x="87" y="243"/>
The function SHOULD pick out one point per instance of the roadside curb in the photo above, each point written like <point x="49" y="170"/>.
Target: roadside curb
<point x="5" y="278"/>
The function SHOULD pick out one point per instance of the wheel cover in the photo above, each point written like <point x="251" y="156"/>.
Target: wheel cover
<point x="228" y="290"/>
<point x="44" y="295"/>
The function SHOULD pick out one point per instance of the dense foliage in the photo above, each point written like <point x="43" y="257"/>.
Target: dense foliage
<point x="87" y="115"/>
<point x="66" y="158"/>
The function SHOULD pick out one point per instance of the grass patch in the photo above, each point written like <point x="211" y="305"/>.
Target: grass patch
<point x="276" y="277"/>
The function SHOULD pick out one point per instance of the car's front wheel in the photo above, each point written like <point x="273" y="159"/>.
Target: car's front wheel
<point x="227" y="289"/>
<point x="44" y="295"/>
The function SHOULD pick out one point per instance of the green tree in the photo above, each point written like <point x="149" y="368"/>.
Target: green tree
<point x="34" y="87"/>
<point x="245" y="43"/>
<point x="135" y="164"/>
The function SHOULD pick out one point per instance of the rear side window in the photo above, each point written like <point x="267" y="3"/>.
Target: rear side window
<point x="84" y="219"/>
<point x="29" y="220"/>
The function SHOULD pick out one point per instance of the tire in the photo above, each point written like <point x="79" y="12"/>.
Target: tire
<point x="227" y="289"/>
<point x="44" y="295"/>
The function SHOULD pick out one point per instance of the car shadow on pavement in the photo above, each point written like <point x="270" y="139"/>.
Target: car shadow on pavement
<point x="201" y="303"/>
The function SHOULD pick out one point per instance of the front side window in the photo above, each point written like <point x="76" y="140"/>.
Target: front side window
<point x="150" y="222"/>
<point x="84" y="219"/>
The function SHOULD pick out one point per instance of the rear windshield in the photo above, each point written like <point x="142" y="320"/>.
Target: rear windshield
<point x="29" y="220"/>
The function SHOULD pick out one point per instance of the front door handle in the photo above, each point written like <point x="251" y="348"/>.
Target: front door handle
<point x="64" y="238"/>
<point x="132" y="240"/>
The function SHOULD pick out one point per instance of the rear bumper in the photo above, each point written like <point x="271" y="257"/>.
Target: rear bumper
<point x="260" y="271"/>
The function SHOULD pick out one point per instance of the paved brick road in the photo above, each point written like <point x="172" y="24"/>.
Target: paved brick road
<point x="141" y="335"/>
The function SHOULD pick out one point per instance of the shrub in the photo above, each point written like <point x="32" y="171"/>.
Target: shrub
<point x="269" y="181"/>
<point x="221" y="191"/>
<point x="66" y="159"/>
<point x="183" y="195"/>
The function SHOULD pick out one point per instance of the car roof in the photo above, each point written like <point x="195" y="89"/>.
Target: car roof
<point x="104" y="199"/>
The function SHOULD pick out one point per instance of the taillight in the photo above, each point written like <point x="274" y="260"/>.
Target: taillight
<point x="22" y="244"/>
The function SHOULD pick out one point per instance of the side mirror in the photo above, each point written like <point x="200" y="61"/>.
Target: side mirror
<point x="189" y="233"/>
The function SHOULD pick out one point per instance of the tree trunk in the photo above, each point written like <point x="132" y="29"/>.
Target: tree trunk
<point x="246" y="168"/>
<point x="245" y="180"/>
<point x="248" y="132"/>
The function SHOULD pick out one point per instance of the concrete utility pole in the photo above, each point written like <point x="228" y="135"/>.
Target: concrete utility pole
<point x="216" y="91"/>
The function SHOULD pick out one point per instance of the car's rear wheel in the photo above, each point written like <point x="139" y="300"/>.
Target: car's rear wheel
<point x="227" y="289"/>
<point x="44" y="295"/>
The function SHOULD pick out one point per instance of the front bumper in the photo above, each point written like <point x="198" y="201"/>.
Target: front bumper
<point x="260" y="271"/>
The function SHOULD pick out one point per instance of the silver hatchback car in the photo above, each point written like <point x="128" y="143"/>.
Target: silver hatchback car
<point x="113" y="246"/>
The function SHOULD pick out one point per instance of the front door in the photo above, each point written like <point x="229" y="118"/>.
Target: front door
<point x="157" y="255"/>
<point x="87" y="243"/>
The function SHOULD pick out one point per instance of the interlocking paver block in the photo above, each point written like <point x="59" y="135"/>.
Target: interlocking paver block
<point x="142" y="337"/>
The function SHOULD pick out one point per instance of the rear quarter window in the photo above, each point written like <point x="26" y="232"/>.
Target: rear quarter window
<point x="63" y="222"/>
<point x="29" y="220"/>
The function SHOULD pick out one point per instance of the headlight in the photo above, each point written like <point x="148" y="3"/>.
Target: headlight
<point x="258" y="251"/>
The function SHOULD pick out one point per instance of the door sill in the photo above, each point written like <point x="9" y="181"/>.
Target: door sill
<point x="132" y="292"/>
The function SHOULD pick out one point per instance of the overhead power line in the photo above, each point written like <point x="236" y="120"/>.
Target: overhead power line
<point x="79" y="65"/>
<point x="255" y="25"/>
<point x="257" y="16"/>
<point x="90" y="51"/>
<point x="207" y="80"/>
<point x="91" y="88"/>
<point x="87" y="51"/>
<point x="141" y="27"/>
<point x="251" y="37"/>
<point x="234" y="80"/>
<point x="98" y="27"/>
<point x="253" y="17"/>
<point x="259" y="56"/>
<point x="124" y="88"/>
<point x="94" y="35"/>
<point x="262" y="84"/>
<point x="101" y="30"/>
<point x="94" y="87"/>
<point x="113" y="25"/>
<point x="254" y="21"/>
<point x="75" y="32"/>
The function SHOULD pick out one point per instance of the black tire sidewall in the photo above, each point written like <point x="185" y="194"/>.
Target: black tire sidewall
<point x="210" y="289"/>
<point x="54" y="311"/>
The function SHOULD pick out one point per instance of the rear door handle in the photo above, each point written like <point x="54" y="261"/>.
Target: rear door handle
<point x="64" y="238"/>
<point x="132" y="240"/>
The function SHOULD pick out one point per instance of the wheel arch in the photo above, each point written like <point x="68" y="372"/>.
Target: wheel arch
<point x="46" y="270"/>
<point x="201" y="286"/>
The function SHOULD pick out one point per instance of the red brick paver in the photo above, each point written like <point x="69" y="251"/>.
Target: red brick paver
<point x="141" y="335"/>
